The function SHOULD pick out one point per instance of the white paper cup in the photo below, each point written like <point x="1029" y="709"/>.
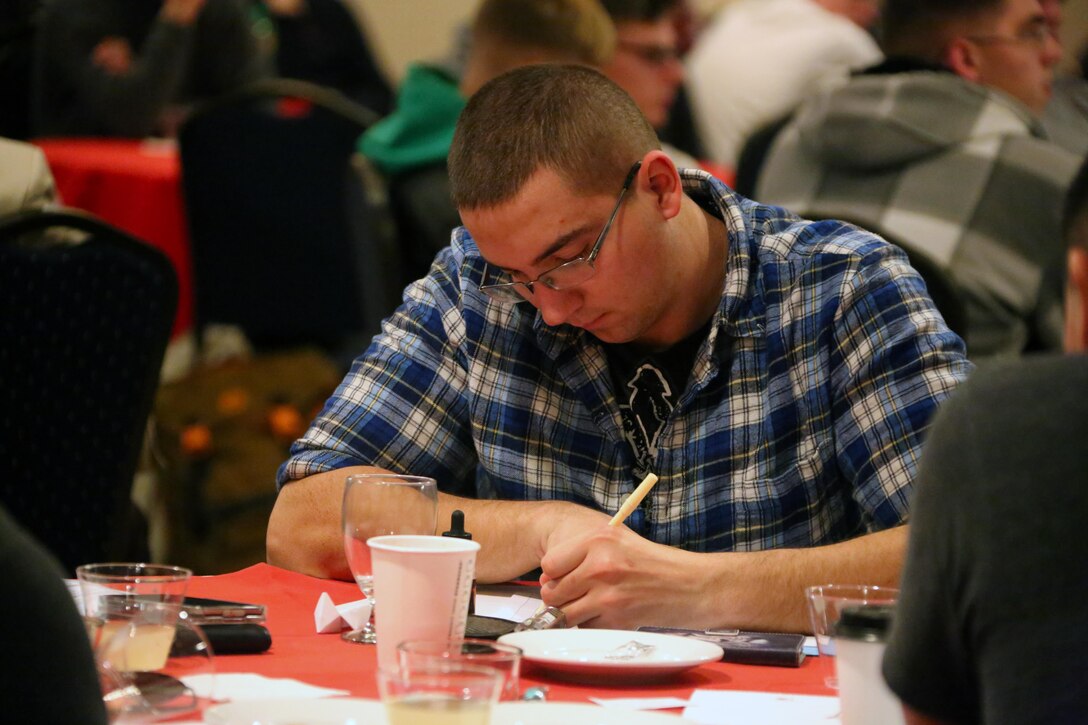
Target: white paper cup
<point x="423" y="585"/>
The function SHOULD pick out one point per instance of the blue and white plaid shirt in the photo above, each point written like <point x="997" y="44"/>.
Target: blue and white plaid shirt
<point x="801" y="423"/>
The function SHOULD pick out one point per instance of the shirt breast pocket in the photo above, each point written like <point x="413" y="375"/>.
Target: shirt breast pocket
<point x="795" y="502"/>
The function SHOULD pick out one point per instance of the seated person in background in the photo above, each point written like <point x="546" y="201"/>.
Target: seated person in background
<point x="777" y="375"/>
<point x="25" y="179"/>
<point x="409" y="147"/>
<point x="990" y="623"/>
<point x="758" y="59"/>
<point x="122" y="68"/>
<point x="320" y="41"/>
<point x="48" y="671"/>
<point x="941" y="148"/>
<point x="646" y="62"/>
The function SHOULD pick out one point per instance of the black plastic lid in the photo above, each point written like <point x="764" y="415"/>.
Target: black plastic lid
<point x="868" y="622"/>
<point x="457" y="526"/>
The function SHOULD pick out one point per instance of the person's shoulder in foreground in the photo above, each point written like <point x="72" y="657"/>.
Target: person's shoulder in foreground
<point x="990" y="624"/>
<point x="777" y="375"/>
<point x="48" y="672"/>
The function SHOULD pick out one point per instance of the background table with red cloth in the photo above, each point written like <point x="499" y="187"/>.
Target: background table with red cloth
<point x="326" y="660"/>
<point x="134" y="185"/>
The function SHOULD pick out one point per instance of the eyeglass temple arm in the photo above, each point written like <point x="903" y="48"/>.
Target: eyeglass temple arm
<point x="623" y="192"/>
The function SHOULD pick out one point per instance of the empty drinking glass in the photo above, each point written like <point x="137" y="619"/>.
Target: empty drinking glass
<point x="380" y="504"/>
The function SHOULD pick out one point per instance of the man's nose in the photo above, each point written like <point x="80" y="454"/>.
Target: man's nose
<point x="673" y="70"/>
<point x="556" y="306"/>
<point x="1052" y="50"/>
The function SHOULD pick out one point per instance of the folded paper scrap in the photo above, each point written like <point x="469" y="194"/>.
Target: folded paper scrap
<point x="332" y="618"/>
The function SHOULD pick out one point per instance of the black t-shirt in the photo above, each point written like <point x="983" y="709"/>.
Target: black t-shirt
<point x="991" y="620"/>
<point x="647" y="386"/>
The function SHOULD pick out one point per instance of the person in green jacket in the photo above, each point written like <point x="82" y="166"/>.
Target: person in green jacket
<point x="409" y="146"/>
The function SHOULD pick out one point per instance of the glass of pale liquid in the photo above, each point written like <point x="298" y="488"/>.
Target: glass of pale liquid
<point x="503" y="658"/>
<point x="451" y="694"/>
<point x="142" y="640"/>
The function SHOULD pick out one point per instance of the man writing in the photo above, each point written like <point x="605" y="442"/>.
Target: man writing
<point x="776" y="375"/>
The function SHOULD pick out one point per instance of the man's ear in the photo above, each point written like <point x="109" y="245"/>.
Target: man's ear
<point x="1076" y="300"/>
<point x="659" y="176"/>
<point x="962" y="57"/>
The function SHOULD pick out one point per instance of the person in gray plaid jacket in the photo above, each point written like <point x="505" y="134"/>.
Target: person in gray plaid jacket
<point x="940" y="148"/>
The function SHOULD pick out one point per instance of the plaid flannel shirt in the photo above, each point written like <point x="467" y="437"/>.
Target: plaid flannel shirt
<point x="801" y="423"/>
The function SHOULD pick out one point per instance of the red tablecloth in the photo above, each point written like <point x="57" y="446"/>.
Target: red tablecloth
<point x="134" y="185"/>
<point x="326" y="660"/>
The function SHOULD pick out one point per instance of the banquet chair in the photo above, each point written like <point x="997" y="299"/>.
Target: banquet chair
<point x="85" y="317"/>
<point x="288" y="242"/>
<point x="753" y="154"/>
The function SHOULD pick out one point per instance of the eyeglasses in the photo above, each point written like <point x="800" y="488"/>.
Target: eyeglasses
<point x="652" y="54"/>
<point x="563" y="276"/>
<point x="1037" y="34"/>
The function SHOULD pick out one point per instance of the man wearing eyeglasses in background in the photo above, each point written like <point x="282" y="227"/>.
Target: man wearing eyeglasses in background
<point x="941" y="147"/>
<point x="602" y="314"/>
<point x="646" y="64"/>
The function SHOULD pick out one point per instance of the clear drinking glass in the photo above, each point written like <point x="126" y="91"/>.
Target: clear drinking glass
<point x="825" y="605"/>
<point x="503" y="658"/>
<point x="449" y="694"/>
<point x="380" y="504"/>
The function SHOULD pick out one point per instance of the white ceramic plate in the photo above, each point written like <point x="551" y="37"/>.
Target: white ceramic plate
<point x="598" y="654"/>
<point x="351" y="711"/>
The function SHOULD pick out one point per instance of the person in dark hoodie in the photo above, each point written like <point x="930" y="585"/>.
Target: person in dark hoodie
<point x="941" y="148"/>
<point x="409" y="147"/>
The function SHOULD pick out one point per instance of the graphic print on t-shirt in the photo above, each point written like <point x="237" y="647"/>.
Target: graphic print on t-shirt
<point x="648" y="406"/>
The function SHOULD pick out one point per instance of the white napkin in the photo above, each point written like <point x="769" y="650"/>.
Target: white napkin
<point x="514" y="608"/>
<point x="733" y="707"/>
<point x="331" y="618"/>
<point x="640" y="703"/>
<point x="232" y="686"/>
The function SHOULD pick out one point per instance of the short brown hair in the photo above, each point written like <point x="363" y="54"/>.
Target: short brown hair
<point x="579" y="31"/>
<point x="567" y="118"/>
<point x="923" y="28"/>
<point x="638" y="11"/>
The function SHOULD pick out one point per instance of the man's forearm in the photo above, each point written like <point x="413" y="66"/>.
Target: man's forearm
<point x="304" y="529"/>
<point x="765" y="590"/>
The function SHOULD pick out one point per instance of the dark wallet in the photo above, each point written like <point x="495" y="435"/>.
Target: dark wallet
<point x="237" y="639"/>
<point x="780" y="649"/>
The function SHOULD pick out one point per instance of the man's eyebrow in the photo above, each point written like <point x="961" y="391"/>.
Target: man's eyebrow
<point x="561" y="242"/>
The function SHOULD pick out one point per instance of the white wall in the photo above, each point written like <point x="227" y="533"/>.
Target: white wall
<point x="402" y="31"/>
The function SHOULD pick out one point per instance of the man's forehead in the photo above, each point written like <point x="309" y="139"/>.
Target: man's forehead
<point x="545" y="215"/>
<point x="1020" y="12"/>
